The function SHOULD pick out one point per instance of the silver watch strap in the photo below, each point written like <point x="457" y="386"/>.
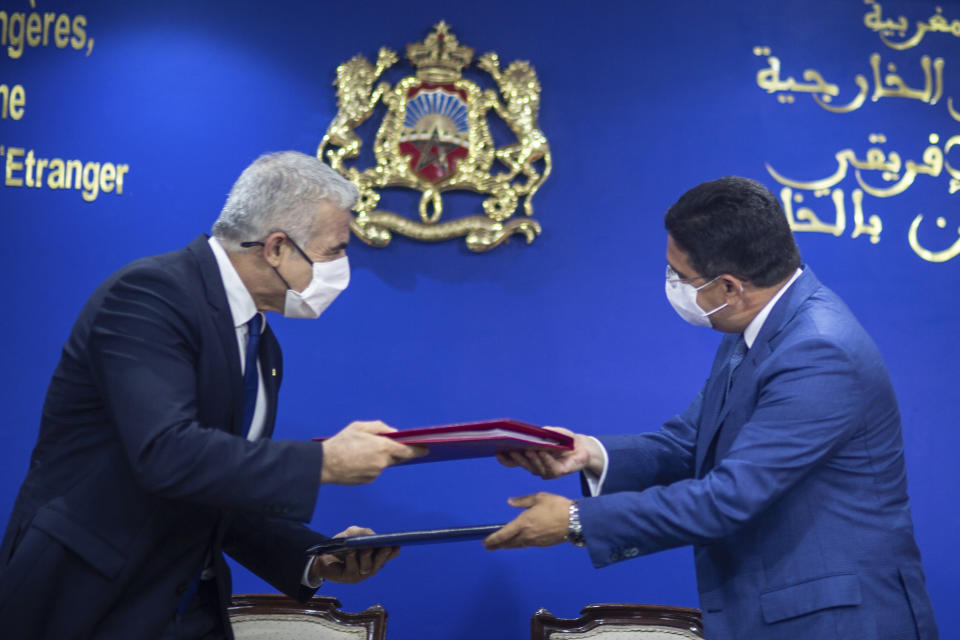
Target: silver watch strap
<point x="574" y="528"/>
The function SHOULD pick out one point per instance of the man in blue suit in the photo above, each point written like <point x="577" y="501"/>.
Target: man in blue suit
<point x="785" y="473"/>
<point x="154" y="453"/>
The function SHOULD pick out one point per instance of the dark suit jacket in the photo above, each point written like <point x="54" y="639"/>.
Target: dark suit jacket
<point x="140" y="470"/>
<point x="792" y="489"/>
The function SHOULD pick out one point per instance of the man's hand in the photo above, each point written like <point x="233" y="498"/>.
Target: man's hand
<point x="354" y="566"/>
<point x="586" y="454"/>
<point x="543" y="524"/>
<point x="357" y="455"/>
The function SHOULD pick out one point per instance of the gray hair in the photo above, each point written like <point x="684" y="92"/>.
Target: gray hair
<point x="271" y="194"/>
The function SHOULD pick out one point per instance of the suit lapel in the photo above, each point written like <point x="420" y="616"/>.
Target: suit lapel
<point x="713" y="400"/>
<point x="716" y="406"/>
<point x="223" y="321"/>
<point x="741" y="377"/>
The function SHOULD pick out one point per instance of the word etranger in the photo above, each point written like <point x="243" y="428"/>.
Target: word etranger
<point x="23" y="169"/>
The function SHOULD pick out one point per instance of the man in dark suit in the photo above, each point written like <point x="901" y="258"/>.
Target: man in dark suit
<point x="154" y="452"/>
<point x="786" y="473"/>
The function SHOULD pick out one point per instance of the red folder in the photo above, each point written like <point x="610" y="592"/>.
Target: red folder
<point x="479" y="439"/>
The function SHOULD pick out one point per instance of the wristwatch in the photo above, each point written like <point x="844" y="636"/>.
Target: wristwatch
<point x="574" y="528"/>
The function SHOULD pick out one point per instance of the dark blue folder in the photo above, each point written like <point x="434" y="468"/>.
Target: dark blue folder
<point x="403" y="538"/>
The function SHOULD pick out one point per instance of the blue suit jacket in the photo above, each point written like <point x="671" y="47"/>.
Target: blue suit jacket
<point x="792" y="489"/>
<point x="140" y="469"/>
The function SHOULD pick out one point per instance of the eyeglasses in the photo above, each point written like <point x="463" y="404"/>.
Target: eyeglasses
<point x="674" y="279"/>
<point x="673" y="276"/>
<point x="257" y="243"/>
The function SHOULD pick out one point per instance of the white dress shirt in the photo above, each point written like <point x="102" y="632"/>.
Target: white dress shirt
<point x="595" y="483"/>
<point x="242" y="309"/>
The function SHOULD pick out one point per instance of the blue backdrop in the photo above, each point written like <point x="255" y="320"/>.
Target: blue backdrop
<point x="640" y="102"/>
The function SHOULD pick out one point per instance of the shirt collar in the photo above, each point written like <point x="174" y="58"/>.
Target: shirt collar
<point x="242" y="306"/>
<point x="753" y="329"/>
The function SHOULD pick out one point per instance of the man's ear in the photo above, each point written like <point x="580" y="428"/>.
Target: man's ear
<point x="732" y="285"/>
<point x="273" y="247"/>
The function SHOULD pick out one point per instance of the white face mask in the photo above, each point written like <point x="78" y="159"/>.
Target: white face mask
<point x="683" y="299"/>
<point x="329" y="279"/>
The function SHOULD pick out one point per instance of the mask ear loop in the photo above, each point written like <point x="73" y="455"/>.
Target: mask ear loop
<point x="724" y="305"/>
<point x="257" y="243"/>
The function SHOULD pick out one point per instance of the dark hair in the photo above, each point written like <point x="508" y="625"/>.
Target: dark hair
<point x="734" y="225"/>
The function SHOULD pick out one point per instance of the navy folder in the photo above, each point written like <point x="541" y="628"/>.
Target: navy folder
<point x="402" y="538"/>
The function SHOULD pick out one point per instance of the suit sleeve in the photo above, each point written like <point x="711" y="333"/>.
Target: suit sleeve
<point x="144" y="347"/>
<point x="274" y="549"/>
<point x="645" y="460"/>
<point x="808" y="406"/>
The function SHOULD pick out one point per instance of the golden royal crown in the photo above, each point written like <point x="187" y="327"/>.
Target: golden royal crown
<point x="439" y="58"/>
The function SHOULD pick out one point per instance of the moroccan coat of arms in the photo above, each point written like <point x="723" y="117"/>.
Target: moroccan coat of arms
<point x="435" y="138"/>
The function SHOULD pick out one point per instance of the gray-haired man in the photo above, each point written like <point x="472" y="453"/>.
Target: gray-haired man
<point x="154" y="452"/>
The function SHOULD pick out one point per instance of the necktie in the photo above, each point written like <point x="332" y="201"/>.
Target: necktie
<point x="736" y="357"/>
<point x="251" y="380"/>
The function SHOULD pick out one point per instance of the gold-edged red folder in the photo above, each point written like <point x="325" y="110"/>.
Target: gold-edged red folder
<point x="479" y="439"/>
